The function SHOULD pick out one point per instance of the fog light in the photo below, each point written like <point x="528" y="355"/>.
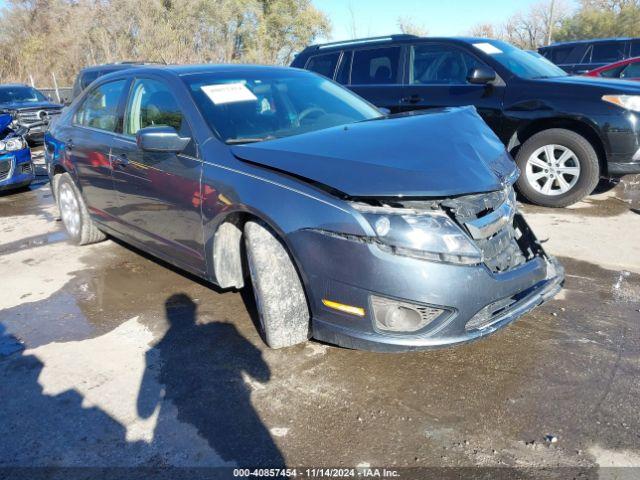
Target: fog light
<point x="397" y="316"/>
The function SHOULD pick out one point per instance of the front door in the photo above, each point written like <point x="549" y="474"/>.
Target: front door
<point x="437" y="77"/>
<point x="87" y="143"/>
<point x="376" y="75"/>
<point x="158" y="192"/>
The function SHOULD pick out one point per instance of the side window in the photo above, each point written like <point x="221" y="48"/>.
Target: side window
<point x="151" y="103"/>
<point x="606" y="52"/>
<point x="635" y="49"/>
<point x="99" y="109"/>
<point x="324" y="64"/>
<point x="440" y="64"/>
<point x="631" y="71"/>
<point x="345" y="68"/>
<point x="559" y="54"/>
<point x="612" y="72"/>
<point x="377" y="66"/>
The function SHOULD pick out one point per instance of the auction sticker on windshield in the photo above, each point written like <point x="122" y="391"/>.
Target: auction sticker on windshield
<point x="228" y="93"/>
<point x="487" y="48"/>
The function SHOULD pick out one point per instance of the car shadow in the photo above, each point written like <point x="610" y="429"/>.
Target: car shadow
<point x="206" y="370"/>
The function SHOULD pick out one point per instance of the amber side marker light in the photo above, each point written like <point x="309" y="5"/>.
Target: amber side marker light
<point x="358" y="311"/>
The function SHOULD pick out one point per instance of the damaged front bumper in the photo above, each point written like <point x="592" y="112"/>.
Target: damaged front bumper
<point x="474" y="299"/>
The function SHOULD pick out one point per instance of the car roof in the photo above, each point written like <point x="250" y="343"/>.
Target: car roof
<point x="400" y="38"/>
<point x="115" y="66"/>
<point x="183" y="70"/>
<point x="593" y="40"/>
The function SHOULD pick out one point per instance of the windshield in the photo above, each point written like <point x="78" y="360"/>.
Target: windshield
<point x="258" y="106"/>
<point x="519" y="62"/>
<point x="20" y="94"/>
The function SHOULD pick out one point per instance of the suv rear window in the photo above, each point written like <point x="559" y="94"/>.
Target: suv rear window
<point x="375" y="66"/>
<point x="324" y="64"/>
<point x="606" y="52"/>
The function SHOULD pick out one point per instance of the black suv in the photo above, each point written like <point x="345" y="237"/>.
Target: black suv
<point x="585" y="55"/>
<point x="564" y="132"/>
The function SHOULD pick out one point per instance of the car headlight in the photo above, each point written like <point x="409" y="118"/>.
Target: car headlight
<point x="424" y="235"/>
<point x="630" y="102"/>
<point x="12" y="144"/>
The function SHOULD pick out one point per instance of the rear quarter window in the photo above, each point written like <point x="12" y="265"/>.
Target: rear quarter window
<point x="324" y="64"/>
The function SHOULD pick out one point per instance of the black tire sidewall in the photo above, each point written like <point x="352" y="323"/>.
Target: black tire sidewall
<point x="587" y="157"/>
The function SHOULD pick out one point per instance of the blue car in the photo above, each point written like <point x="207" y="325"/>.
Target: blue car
<point x="373" y="231"/>
<point x="16" y="168"/>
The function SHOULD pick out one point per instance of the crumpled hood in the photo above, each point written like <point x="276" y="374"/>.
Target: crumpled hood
<point x="439" y="153"/>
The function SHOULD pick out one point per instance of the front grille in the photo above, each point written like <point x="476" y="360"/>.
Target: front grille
<point x="26" y="168"/>
<point x="491" y="219"/>
<point x="5" y="168"/>
<point x="32" y="116"/>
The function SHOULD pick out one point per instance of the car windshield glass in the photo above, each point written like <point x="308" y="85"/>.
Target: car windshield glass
<point x="259" y="106"/>
<point x="20" y="94"/>
<point x="519" y="62"/>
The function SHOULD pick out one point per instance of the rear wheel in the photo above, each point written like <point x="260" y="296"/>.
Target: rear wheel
<point x="74" y="213"/>
<point x="558" y="168"/>
<point x="280" y="298"/>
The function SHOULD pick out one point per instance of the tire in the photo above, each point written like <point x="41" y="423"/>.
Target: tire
<point x="280" y="298"/>
<point x="572" y="174"/>
<point x="73" y="211"/>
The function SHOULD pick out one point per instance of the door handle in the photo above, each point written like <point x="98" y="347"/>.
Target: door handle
<point x="120" y="160"/>
<point x="412" y="99"/>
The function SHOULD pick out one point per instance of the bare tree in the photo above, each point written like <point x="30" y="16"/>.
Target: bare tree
<point x="406" y="25"/>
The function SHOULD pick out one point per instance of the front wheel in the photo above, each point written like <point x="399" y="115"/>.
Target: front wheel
<point x="558" y="168"/>
<point x="280" y="298"/>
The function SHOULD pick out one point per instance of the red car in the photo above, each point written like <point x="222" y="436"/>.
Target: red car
<point x="628" y="69"/>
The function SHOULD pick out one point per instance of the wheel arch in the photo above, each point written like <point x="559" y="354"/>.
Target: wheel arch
<point x="231" y="270"/>
<point x="580" y="127"/>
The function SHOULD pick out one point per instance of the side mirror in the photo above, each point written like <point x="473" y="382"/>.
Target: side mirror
<point x="481" y="75"/>
<point x="161" y="139"/>
<point x="384" y="110"/>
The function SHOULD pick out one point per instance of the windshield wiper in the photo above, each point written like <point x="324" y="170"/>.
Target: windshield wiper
<point x="235" y="141"/>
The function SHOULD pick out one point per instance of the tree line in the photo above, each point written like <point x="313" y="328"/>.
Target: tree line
<point x="555" y="21"/>
<point x="45" y="37"/>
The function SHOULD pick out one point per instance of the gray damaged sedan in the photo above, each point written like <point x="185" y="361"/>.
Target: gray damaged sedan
<point x="381" y="232"/>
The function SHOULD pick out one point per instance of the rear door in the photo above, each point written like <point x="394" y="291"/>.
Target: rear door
<point x="375" y="74"/>
<point x="159" y="193"/>
<point x="87" y="144"/>
<point x="437" y="77"/>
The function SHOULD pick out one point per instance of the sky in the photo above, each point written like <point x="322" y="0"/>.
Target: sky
<point x="438" y="17"/>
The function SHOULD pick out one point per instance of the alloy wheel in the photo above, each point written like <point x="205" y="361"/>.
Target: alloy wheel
<point x="553" y="170"/>
<point x="69" y="209"/>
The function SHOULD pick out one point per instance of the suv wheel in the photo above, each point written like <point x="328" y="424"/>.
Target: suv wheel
<point x="280" y="298"/>
<point x="74" y="213"/>
<point x="558" y="168"/>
